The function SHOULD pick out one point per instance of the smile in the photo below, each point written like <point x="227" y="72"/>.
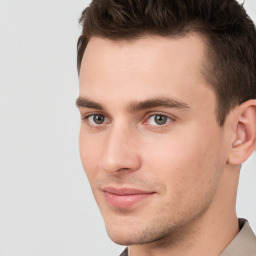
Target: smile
<point x="125" y="197"/>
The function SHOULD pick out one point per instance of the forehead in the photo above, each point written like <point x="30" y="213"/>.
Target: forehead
<point x="152" y="66"/>
<point x="188" y="50"/>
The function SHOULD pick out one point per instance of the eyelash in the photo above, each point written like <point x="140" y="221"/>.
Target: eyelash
<point x="146" y="122"/>
<point x="168" y="120"/>
<point x="86" y="118"/>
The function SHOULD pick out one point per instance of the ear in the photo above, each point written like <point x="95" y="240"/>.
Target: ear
<point x="245" y="133"/>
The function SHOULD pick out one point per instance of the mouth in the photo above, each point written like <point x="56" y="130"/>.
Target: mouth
<point x="125" y="197"/>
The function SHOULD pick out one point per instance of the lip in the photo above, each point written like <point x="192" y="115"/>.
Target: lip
<point x="125" y="197"/>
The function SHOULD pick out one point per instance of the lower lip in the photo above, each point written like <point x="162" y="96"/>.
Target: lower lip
<point x="125" y="201"/>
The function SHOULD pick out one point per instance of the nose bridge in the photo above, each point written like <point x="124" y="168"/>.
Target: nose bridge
<point x="120" y="149"/>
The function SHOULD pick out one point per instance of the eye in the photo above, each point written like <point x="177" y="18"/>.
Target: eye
<point x="158" y="120"/>
<point x="96" y="119"/>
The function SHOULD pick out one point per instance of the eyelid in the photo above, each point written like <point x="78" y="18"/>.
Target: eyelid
<point x="88" y="115"/>
<point x="149" y="115"/>
<point x="92" y="113"/>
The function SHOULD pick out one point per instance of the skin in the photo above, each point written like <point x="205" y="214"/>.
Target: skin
<point x="190" y="163"/>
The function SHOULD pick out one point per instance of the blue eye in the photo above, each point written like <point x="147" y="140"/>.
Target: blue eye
<point x="96" y="119"/>
<point x="158" y="120"/>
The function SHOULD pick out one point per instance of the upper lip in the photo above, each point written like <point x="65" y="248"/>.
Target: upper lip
<point x="126" y="191"/>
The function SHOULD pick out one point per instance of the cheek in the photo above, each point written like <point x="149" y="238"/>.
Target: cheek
<point x="187" y="163"/>
<point x="90" y="152"/>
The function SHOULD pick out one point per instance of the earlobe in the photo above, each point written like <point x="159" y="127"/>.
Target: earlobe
<point x="245" y="138"/>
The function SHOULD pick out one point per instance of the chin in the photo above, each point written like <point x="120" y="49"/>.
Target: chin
<point x="133" y="235"/>
<point x="121" y="239"/>
<point x="120" y="234"/>
<point x="125" y="234"/>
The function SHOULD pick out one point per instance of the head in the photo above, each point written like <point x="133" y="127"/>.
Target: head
<point x="167" y="93"/>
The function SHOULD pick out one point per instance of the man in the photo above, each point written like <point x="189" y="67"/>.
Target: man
<point x="168" y="109"/>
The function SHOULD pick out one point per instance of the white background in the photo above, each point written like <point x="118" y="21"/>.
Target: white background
<point x="46" y="206"/>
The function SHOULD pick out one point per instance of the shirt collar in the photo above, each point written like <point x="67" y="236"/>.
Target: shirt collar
<point x="244" y="243"/>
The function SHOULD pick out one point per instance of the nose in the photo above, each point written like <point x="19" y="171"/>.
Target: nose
<point x="121" y="151"/>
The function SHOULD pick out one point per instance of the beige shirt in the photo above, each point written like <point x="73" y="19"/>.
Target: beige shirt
<point x="244" y="244"/>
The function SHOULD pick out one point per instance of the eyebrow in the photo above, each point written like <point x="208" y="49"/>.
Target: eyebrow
<point x="158" y="102"/>
<point x="86" y="103"/>
<point x="138" y="105"/>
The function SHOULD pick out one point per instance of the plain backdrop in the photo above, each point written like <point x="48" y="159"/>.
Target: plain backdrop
<point x="46" y="205"/>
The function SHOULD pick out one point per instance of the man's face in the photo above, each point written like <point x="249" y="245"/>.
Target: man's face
<point x="150" y="142"/>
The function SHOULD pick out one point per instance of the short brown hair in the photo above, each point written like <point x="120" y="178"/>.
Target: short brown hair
<point x="229" y="32"/>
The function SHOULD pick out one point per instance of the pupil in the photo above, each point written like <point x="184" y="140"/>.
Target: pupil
<point x="160" y="119"/>
<point x="98" y="119"/>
